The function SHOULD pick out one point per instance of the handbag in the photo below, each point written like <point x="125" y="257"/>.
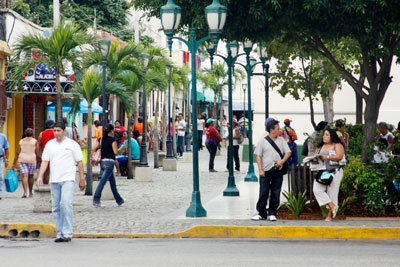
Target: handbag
<point x="284" y="169"/>
<point x="11" y="181"/>
<point x="325" y="177"/>
<point x="96" y="157"/>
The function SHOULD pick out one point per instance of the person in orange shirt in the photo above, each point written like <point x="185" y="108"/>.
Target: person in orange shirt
<point x="289" y="134"/>
<point x="139" y="125"/>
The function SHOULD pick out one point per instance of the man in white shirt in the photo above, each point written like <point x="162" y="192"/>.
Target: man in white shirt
<point x="62" y="153"/>
<point x="269" y="163"/>
<point x="181" y="135"/>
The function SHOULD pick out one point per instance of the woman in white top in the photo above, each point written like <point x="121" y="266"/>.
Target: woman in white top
<point x="200" y="130"/>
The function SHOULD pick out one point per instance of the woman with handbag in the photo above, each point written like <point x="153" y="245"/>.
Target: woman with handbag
<point x="213" y="138"/>
<point x="27" y="155"/>
<point x="109" y="149"/>
<point x="331" y="151"/>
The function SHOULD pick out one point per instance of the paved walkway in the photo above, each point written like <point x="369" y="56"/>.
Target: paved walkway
<point x="159" y="206"/>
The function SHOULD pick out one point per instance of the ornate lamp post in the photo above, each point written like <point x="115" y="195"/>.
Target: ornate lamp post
<point x="262" y="53"/>
<point x="244" y="87"/>
<point x="143" y="146"/>
<point x="170" y="154"/>
<point x="170" y="18"/>
<point x="104" y="45"/>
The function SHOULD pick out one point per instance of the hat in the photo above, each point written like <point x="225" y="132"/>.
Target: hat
<point x="234" y="120"/>
<point x="210" y="120"/>
<point x="287" y="121"/>
<point x="49" y="123"/>
<point x="268" y="120"/>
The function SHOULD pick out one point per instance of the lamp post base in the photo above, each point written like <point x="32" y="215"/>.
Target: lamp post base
<point x="196" y="209"/>
<point x="251" y="176"/>
<point x="231" y="191"/>
<point x="170" y="154"/>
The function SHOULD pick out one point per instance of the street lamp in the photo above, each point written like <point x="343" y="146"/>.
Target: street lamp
<point x="244" y="87"/>
<point x="143" y="147"/>
<point x="104" y="45"/>
<point x="170" y="18"/>
<point x="170" y="154"/>
<point x="262" y="53"/>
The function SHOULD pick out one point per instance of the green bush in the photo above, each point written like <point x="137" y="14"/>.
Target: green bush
<point x="374" y="195"/>
<point x="296" y="204"/>
<point x="352" y="186"/>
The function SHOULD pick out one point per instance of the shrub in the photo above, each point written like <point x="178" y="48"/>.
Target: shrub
<point x="296" y="204"/>
<point x="352" y="186"/>
<point x="374" y="195"/>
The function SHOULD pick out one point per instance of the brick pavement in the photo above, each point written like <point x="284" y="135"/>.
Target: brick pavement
<point x="155" y="207"/>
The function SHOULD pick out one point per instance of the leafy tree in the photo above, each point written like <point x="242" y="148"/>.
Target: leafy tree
<point x="55" y="51"/>
<point x="371" y="24"/>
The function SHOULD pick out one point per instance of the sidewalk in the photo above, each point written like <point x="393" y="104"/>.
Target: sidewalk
<point x="159" y="206"/>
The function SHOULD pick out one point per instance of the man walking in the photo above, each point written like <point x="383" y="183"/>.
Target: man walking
<point x="290" y="136"/>
<point x="62" y="153"/>
<point x="269" y="164"/>
<point x="181" y="135"/>
<point x="3" y="159"/>
<point x="45" y="137"/>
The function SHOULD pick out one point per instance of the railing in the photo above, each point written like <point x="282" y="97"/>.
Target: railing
<point x="301" y="179"/>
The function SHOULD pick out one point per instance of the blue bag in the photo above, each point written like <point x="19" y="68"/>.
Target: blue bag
<point x="11" y="181"/>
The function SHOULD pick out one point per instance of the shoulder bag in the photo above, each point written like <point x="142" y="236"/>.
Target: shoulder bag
<point x="284" y="169"/>
<point x="96" y="158"/>
<point x="325" y="177"/>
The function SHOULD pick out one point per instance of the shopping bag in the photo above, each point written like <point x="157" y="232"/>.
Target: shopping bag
<point x="11" y="181"/>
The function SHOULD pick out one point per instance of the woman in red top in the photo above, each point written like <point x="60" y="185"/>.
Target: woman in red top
<point x="213" y="138"/>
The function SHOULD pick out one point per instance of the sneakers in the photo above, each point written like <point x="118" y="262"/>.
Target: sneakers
<point x="63" y="240"/>
<point x="212" y="170"/>
<point x="180" y="157"/>
<point x="272" y="218"/>
<point x="122" y="203"/>
<point x="98" y="205"/>
<point x="258" y="217"/>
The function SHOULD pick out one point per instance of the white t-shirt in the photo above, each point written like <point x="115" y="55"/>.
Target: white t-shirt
<point x="181" y="127"/>
<point x="62" y="157"/>
<point x="269" y="154"/>
<point x="200" y="124"/>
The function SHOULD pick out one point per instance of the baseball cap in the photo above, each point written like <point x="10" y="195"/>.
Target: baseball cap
<point x="268" y="120"/>
<point x="287" y="121"/>
<point x="210" y="120"/>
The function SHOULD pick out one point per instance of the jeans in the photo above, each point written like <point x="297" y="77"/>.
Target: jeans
<point x="61" y="201"/>
<point x="235" y="158"/>
<point x="107" y="168"/>
<point x="180" y="145"/>
<point x="212" y="149"/>
<point x="200" y="138"/>
<point x="294" y="158"/>
<point x="271" y="181"/>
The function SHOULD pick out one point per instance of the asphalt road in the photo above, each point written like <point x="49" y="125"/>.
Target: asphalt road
<point x="197" y="252"/>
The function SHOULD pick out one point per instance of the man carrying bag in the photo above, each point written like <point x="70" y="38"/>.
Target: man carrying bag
<point x="272" y="153"/>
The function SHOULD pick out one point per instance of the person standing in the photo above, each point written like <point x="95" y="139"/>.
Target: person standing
<point x="289" y="134"/>
<point x="342" y="134"/>
<point x="213" y="138"/>
<point x="224" y="130"/>
<point x="62" y="153"/>
<point x="44" y="138"/>
<point x="27" y="155"/>
<point x="269" y="164"/>
<point x="236" y="137"/>
<point x="3" y="159"/>
<point x="200" y="130"/>
<point x="181" y="135"/>
<point x="109" y="149"/>
<point x="384" y="133"/>
<point x="331" y="151"/>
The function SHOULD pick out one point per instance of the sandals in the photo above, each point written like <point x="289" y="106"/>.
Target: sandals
<point x="334" y="211"/>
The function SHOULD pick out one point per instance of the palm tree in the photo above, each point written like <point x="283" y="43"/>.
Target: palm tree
<point x="54" y="51"/>
<point x="89" y="89"/>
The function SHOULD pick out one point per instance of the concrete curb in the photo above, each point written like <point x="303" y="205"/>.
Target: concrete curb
<point x="222" y="231"/>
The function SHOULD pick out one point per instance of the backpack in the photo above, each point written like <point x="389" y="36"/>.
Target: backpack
<point x="304" y="152"/>
<point x="241" y="139"/>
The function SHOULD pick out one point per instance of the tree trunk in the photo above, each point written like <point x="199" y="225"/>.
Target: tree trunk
<point x="136" y="107"/>
<point x="359" y="109"/>
<point x="58" y="98"/>
<point x="89" y="173"/>
<point x="370" y="116"/>
<point x="129" y="164"/>
<point x="155" y="137"/>
<point x="312" y="115"/>
<point x="215" y="107"/>
<point x="328" y="103"/>
<point x="221" y="106"/>
<point x="165" y="123"/>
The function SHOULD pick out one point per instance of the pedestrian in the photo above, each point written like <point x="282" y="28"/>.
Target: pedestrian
<point x="27" y="155"/>
<point x="139" y="125"/>
<point x="200" y="130"/>
<point x="315" y="138"/>
<point x="3" y="158"/>
<point x="290" y="136"/>
<point x="331" y="151"/>
<point x="98" y="131"/>
<point x="71" y="132"/>
<point x="181" y="135"/>
<point x="236" y="137"/>
<point x="224" y="130"/>
<point x="62" y="153"/>
<point x="123" y="158"/>
<point x="43" y="139"/>
<point x="340" y="126"/>
<point x="270" y="165"/>
<point x="109" y="149"/>
<point x="213" y="139"/>
<point x="385" y="134"/>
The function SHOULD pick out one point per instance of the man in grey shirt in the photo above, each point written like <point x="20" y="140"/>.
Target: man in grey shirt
<point x="269" y="163"/>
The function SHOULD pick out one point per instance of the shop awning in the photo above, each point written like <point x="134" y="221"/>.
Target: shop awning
<point x="83" y="107"/>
